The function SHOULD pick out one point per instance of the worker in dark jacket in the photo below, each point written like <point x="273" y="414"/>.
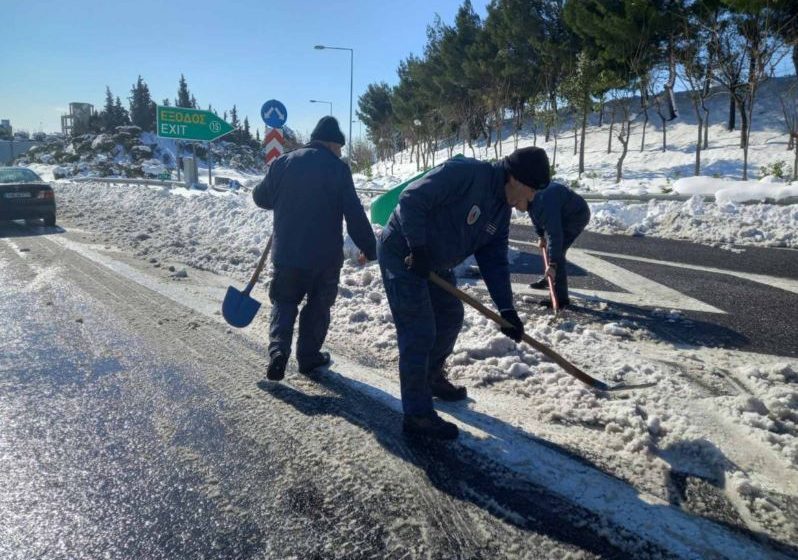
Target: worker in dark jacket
<point x="459" y="209"/>
<point x="559" y="216"/>
<point x="311" y="192"/>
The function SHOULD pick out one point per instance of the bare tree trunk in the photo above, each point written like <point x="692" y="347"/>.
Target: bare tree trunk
<point x="664" y="134"/>
<point x="470" y="145"/>
<point x="795" y="163"/>
<point x="732" y="113"/>
<point x="697" y="168"/>
<point x="623" y="137"/>
<point x="576" y="137"/>
<point x="554" y="159"/>
<point x="645" y="126"/>
<point x="612" y="126"/>
<point x="706" y="128"/>
<point x="582" y="143"/>
<point x="601" y="112"/>
<point x="743" y="125"/>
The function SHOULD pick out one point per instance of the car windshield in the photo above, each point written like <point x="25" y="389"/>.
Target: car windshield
<point x="18" y="175"/>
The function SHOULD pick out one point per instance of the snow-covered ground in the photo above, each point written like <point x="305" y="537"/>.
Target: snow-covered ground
<point x="653" y="171"/>
<point x="642" y="437"/>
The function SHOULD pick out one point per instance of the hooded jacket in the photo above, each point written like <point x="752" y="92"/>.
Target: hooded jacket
<point x="457" y="210"/>
<point x="311" y="192"/>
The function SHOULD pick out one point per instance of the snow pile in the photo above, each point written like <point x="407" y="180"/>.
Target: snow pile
<point x="694" y="220"/>
<point x="221" y="232"/>
<point x="724" y="190"/>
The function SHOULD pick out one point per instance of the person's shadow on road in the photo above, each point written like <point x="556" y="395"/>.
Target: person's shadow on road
<point x="464" y="474"/>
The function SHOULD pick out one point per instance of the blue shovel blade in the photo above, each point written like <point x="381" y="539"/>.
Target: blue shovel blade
<point x="238" y="309"/>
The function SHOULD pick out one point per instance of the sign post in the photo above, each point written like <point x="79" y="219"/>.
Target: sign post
<point x="274" y="114"/>
<point x="191" y="124"/>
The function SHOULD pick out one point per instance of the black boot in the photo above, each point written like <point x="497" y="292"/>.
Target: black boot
<point x="276" y="369"/>
<point x="431" y="426"/>
<point x="444" y="390"/>
<point x="541" y="284"/>
<point x="319" y="361"/>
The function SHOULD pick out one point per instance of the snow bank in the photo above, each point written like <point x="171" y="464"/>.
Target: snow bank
<point x="722" y="223"/>
<point x="726" y="190"/>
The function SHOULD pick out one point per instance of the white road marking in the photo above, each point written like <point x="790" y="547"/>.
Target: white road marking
<point x="786" y="284"/>
<point x="639" y="290"/>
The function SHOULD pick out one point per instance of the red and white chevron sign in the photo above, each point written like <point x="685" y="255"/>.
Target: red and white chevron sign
<point x="273" y="142"/>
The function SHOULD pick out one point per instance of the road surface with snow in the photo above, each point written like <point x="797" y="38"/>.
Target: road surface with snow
<point x="743" y="298"/>
<point x="133" y="426"/>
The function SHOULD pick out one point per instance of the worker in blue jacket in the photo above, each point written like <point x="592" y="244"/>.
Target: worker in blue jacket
<point x="559" y="216"/>
<point x="311" y="192"/>
<point x="459" y="209"/>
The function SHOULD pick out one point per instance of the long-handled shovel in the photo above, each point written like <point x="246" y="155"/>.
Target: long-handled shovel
<point x="555" y="305"/>
<point x="542" y="348"/>
<point x="238" y="308"/>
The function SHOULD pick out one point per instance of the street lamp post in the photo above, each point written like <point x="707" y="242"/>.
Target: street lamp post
<point x="351" y="85"/>
<point x="320" y="101"/>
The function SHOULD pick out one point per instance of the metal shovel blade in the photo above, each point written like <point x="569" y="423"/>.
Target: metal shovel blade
<point x="238" y="308"/>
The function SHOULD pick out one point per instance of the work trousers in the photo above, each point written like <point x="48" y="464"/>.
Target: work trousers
<point x="428" y="321"/>
<point x="571" y="231"/>
<point x="289" y="286"/>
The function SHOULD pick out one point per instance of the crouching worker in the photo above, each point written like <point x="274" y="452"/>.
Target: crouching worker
<point x="311" y="192"/>
<point x="558" y="214"/>
<point x="462" y="208"/>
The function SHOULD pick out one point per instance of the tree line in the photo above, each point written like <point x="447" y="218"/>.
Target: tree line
<point x="548" y="64"/>
<point x="140" y="111"/>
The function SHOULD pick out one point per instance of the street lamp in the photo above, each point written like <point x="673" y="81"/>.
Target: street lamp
<point x="351" y="83"/>
<point x="319" y="101"/>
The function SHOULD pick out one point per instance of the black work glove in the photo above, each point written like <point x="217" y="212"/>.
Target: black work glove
<point x="418" y="261"/>
<point x="516" y="332"/>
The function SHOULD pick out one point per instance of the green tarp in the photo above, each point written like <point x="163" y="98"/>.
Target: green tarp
<point x="383" y="205"/>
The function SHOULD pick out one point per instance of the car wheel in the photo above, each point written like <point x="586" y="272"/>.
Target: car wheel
<point x="49" y="221"/>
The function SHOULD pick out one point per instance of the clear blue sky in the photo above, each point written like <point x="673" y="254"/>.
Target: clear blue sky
<point x="242" y="52"/>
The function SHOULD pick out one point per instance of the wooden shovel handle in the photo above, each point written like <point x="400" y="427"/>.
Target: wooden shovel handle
<point x="540" y="347"/>
<point x="555" y="305"/>
<point x="260" y="266"/>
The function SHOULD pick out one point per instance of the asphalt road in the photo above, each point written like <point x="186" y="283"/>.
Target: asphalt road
<point x="756" y="316"/>
<point x="133" y="428"/>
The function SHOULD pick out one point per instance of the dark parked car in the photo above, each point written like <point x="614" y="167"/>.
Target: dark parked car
<point x="23" y="195"/>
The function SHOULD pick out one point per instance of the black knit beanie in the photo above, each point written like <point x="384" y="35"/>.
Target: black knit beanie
<point x="530" y="166"/>
<point x="327" y="130"/>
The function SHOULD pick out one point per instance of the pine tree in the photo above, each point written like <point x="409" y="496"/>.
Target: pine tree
<point x="142" y="108"/>
<point x="107" y="114"/>
<point x="375" y="110"/>
<point x="247" y="134"/>
<point x="234" y="117"/>
<point x="194" y="103"/>
<point x="120" y="114"/>
<point x="166" y="102"/>
<point x="183" y="95"/>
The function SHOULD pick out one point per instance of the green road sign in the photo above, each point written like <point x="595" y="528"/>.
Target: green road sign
<point x="190" y="124"/>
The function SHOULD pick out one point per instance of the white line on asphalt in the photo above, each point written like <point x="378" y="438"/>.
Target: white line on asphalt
<point x="639" y="290"/>
<point x="786" y="284"/>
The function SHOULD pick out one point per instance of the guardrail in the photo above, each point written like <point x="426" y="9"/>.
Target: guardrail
<point x="173" y="184"/>
<point x="130" y="181"/>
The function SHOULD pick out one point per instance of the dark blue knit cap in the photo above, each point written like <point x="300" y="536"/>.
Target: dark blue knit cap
<point x="327" y="130"/>
<point x="530" y="166"/>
